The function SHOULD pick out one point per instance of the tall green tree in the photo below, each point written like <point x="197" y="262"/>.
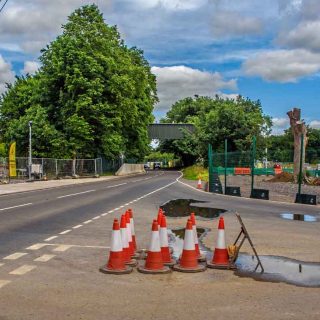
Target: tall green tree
<point x="96" y="94"/>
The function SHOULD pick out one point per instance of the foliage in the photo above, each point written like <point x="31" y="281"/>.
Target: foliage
<point x="3" y="150"/>
<point x="216" y="119"/>
<point x="160" y="156"/>
<point x="92" y="95"/>
<point x="193" y="173"/>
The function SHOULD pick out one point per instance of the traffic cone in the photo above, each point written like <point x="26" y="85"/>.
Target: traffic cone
<point x="220" y="259"/>
<point x="200" y="256"/>
<point x="188" y="260"/>
<point x="199" y="185"/>
<point x="160" y="213"/>
<point x="132" y="229"/>
<point x="116" y="263"/>
<point x="131" y="245"/>
<point x="165" y="251"/>
<point x="154" y="263"/>
<point x="125" y="243"/>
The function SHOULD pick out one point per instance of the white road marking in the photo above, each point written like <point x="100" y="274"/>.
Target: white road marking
<point x="1" y="264"/>
<point x="121" y="207"/>
<point x="37" y="246"/>
<point x="65" y="231"/>
<point x="77" y="227"/>
<point x="95" y="218"/>
<point x="45" y="258"/>
<point x="22" y="270"/>
<point x="110" y="211"/>
<point x="4" y="282"/>
<point x="116" y="209"/>
<point x="51" y="238"/>
<point x="75" y="194"/>
<point x="88" y="221"/>
<point x="15" y="256"/>
<point x="76" y="245"/>
<point x="62" y="247"/>
<point x="104" y="214"/>
<point x="20" y="205"/>
<point x="127" y="204"/>
<point x="116" y="185"/>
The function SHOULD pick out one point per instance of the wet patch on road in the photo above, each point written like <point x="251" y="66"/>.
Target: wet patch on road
<point x="184" y="207"/>
<point x="280" y="269"/>
<point x="298" y="217"/>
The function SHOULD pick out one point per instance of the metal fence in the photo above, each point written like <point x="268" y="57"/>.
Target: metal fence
<point x="51" y="168"/>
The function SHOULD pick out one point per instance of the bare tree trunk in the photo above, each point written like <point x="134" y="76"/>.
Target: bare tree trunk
<point x="298" y="128"/>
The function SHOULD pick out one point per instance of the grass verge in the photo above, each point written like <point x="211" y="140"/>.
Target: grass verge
<point x="193" y="173"/>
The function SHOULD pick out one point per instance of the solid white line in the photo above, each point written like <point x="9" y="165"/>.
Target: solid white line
<point x="37" y="246"/>
<point x="64" y="232"/>
<point x="4" y="282"/>
<point x="78" y="226"/>
<point x="51" y="238"/>
<point x="20" y="205"/>
<point x="1" y="264"/>
<point x="15" y="256"/>
<point x="22" y="270"/>
<point x="95" y="218"/>
<point x="116" y="209"/>
<point x="116" y="185"/>
<point x="104" y="214"/>
<point x="88" y="221"/>
<point x="75" y="194"/>
<point x="62" y="248"/>
<point x="126" y="204"/>
<point x="110" y="211"/>
<point x="77" y="246"/>
<point x="45" y="257"/>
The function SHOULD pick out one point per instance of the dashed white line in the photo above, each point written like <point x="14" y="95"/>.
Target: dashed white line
<point x="1" y="264"/>
<point x="51" y="238"/>
<point x="95" y="218"/>
<point x="104" y="214"/>
<point x="15" y="256"/>
<point x="110" y="211"/>
<point x="22" y="270"/>
<point x="65" y="231"/>
<point x="126" y="204"/>
<point x="62" y="248"/>
<point x="20" y="205"/>
<point x="4" y="282"/>
<point x="77" y="227"/>
<point x="88" y="221"/>
<point x="45" y="258"/>
<point x="75" y="194"/>
<point x="37" y="246"/>
<point x="116" y="185"/>
<point x="116" y="209"/>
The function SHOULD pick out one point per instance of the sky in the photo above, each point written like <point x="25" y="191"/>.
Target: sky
<point x="266" y="50"/>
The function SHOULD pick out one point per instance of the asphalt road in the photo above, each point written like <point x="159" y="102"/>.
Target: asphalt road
<point x="53" y="241"/>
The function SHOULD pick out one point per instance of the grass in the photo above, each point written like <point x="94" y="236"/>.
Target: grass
<point x="193" y="173"/>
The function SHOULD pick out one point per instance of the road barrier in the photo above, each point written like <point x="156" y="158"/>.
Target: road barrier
<point x="130" y="168"/>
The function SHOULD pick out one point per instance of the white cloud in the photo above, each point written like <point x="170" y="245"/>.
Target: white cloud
<point x="171" y="4"/>
<point x="279" y="125"/>
<point x="227" y="24"/>
<point x="6" y="74"/>
<point x="315" y="124"/>
<point x="30" y="67"/>
<point x="178" y="82"/>
<point x="282" y="65"/>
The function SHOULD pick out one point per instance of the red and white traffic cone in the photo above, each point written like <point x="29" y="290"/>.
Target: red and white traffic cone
<point x="125" y="243"/>
<point x="220" y="259"/>
<point x="159" y="217"/>
<point x="199" y="185"/>
<point x="131" y="245"/>
<point x="165" y="250"/>
<point x="154" y="263"/>
<point x="200" y="256"/>
<point x="188" y="261"/>
<point x="116" y="263"/>
<point x="132" y="229"/>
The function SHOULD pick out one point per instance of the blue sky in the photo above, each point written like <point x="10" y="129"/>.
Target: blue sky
<point x="266" y="50"/>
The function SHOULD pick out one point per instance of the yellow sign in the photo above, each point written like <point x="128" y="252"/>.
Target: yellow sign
<point x="12" y="160"/>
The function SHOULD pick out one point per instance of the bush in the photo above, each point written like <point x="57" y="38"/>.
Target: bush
<point x="193" y="173"/>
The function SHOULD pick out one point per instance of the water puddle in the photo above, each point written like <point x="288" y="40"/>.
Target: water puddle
<point x="176" y="241"/>
<point x="280" y="269"/>
<point x="298" y="217"/>
<point x="183" y="208"/>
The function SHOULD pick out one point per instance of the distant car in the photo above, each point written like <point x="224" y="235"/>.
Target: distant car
<point x="157" y="165"/>
<point x="146" y="166"/>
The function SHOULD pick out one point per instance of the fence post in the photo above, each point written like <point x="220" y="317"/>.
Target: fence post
<point x="253" y="157"/>
<point x="95" y="167"/>
<point x="225" y="164"/>
<point x="300" y="165"/>
<point x="56" y="167"/>
<point x="210" y="167"/>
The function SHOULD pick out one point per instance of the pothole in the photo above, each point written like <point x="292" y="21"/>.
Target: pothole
<point x="183" y="208"/>
<point x="298" y="217"/>
<point x="280" y="269"/>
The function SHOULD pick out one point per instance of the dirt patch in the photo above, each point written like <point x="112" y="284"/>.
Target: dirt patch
<point x="282" y="177"/>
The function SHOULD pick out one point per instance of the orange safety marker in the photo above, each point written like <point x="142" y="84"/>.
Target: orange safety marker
<point x="125" y="242"/>
<point x="132" y="229"/>
<point x="160" y="213"/>
<point x="116" y="263"/>
<point x="189" y="261"/>
<point x="220" y="259"/>
<point x="199" y="185"/>
<point x="200" y="256"/>
<point x="154" y="263"/>
<point x="165" y="251"/>
<point x="131" y="245"/>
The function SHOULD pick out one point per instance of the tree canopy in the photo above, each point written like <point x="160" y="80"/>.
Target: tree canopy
<point x="215" y="120"/>
<point x="91" y="96"/>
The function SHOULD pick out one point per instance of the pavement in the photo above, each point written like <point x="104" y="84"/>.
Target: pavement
<point x="53" y="242"/>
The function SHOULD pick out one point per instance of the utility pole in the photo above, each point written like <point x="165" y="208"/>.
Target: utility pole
<point x="30" y="149"/>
